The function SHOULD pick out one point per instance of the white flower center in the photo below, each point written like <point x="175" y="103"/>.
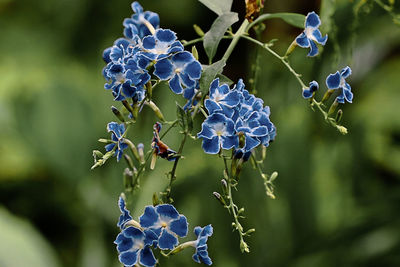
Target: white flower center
<point x="219" y="129"/>
<point x="308" y="32"/>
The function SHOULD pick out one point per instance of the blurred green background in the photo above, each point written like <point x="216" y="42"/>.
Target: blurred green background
<point x="338" y="197"/>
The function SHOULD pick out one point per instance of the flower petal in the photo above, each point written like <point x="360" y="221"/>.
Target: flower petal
<point x="314" y="49"/>
<point x="167" y="211"/>
<point x="333" y="81"/>
<point x="250" y="143"/>
<point x="318" y="37"/>
<point x="206" y="132"/>
<point x="229" y="142"/>
<point x="211" y="146"/>
<point x="149" y="218"/>
<point x="345" y="72"/>
<point x="175" y="85"/>
<point x="123" y="243"/>
<point x="348" y="95"/>
<point x="179" y="226"/>
<point x="167" y="240"/>
<point x="231" y="99"/>
<point x="302" y="40"/>
<point x="166" y="36"/>
<point x="211" y="106"/>
<point x="149" y="42"/>
<point x="147" y="257"/>
<point x="128" y="258"/>
<point x="163" y="69"/>
<point x="312" y="20"/>
<point x="193" y="69"/>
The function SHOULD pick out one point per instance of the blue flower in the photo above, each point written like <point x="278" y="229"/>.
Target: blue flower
<point x="137" y="23"/>
<point x="308" y="92"/>
<point x="125" y="71"/>
<point x="201" y="254"/>
<point x="338" y="80"/>
<point x="117" y="135"/>
<point x="160" y="45"/>
<point x="218" y="131"/>
<point x="125" y="214"/>
<point x="311" y="34"/>
<point x="166" y="222"/>
<point x="133" y="246"/>
<point x="222" y="98"/>
<point x="182" y="69"/>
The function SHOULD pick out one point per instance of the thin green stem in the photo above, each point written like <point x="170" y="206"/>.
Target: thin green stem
<point x="198" y="40"/>
<point x="236" y="37"/>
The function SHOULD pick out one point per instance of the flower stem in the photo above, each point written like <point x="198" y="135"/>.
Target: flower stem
<point x="235" y="39"/>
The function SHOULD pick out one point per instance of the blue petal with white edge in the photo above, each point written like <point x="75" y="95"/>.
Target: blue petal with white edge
<point x="318" y="37"/>
<point x="167" y="240"/>
<point x="302" y="40"/>
<point x="166" y="36"/>
<point x="147" y="257"/>
<point x="312" y="20"/>
<point x="128" y="258"/>
<point x="125" y="214"/>
<point x="193" y="69"/>
<point x="163" y="69"/>
<point x="179" y="226"/>
<point x="206" y="132"/>
<point x="167" y="211"/>
<point x="175" y="85"/>
<point x="314" y="49"/>
<point x="149" y="218"/>
<point x="333" y="81"/>
<point x="250" y="143"/>
<point x="229" y="142"/>
<point x="211" y="146"/>
<point x="345" y="72"/>
<point x="123" y="243"/>
<point x="211" y="106"/>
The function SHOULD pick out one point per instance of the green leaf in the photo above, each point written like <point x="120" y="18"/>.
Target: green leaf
<point x="224" y="79"/>
<point x="293" y="19"/>
<point x="217" y="31"/>
<point x="209" y="73"/>
<point x="218" y="6"/>
<point x="185" y="119"/>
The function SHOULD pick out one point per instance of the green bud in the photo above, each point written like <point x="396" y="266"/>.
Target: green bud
<point x="263" y="152"/>
<point x="195" y="53"/>
<point x="224" y="185"/>
<point x="140" y="148"/>
<point x="198" y="30"/>
<point x="274" y="175"/>
<point x="333" y="107"/>
<point x="156" y="201"/>
<point x="339" y="115"/>
<point x="127" y="106"/>
<point x="105" y="141"/>
<point x="156" y="110"/>
<point x="219" y="198"/>
<point x="250" y="231"/>
<point x="342" y="129"/>
<point x="244" y="247"/>
<point x="117" y="113"/>
<point x="97" y="154"/>
<point x="128" y="179"/>
<point x="327" y="95"/>
<point x="290" y="48"/>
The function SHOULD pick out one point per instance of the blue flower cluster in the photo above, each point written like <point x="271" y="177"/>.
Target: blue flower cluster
<point x="117" y="136"/>
<point x="158" y="227"/>
<point x="131" y="59"/>
<point x="237" y="119"/>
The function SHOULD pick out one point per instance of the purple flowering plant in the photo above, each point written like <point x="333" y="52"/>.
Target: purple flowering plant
<point x="235" y="125"/>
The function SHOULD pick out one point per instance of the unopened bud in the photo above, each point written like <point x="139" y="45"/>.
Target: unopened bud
<point x="195" y="53"/>
<point x="97" y="154"/>
<point x="342" y="129"/>
<point x="127" y="106"/>
<point x="333" y="107"/>
<point x="198" y="30"/>
<point x="156" y="110"/>
<point x="339" y="115"/>
<point x="105" y="141"/>
<point x="128" y="176"/>
<point x="140" y="148"/>
<point x="290" y="48"/>
<point x="224" y="185"/>
<point x="244" y="247"/>
<point x="250" y="231"/>
<point x="129" y="161"/>
<point x="327" y="95"/>
<point x="274" y="175"/>
<point x="117" y="113"/>
<point x="219" y="198"/>
<point x="156" y="201"/>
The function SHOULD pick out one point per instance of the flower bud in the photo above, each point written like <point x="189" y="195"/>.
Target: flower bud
<point x="140" y="148"/>
<point x="224" y="185"/>
<point x="117" y="113"/>
<point x="333" y="108"/>
<point x="198" y="30"/>
<point x="339" y="115"/>
<point x="219" y="198"/>
<point x="156" y="110"/>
